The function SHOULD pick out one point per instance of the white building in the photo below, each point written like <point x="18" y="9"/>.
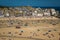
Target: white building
<point x="53" y="11"/>
<point x="1" y="13"/>
<point x="6" y="13"/>
<point x="40" y="14"/>
<point x="47" y="12"/>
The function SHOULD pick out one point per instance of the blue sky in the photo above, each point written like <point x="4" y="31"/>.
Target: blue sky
<point x="41" y="3"/>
